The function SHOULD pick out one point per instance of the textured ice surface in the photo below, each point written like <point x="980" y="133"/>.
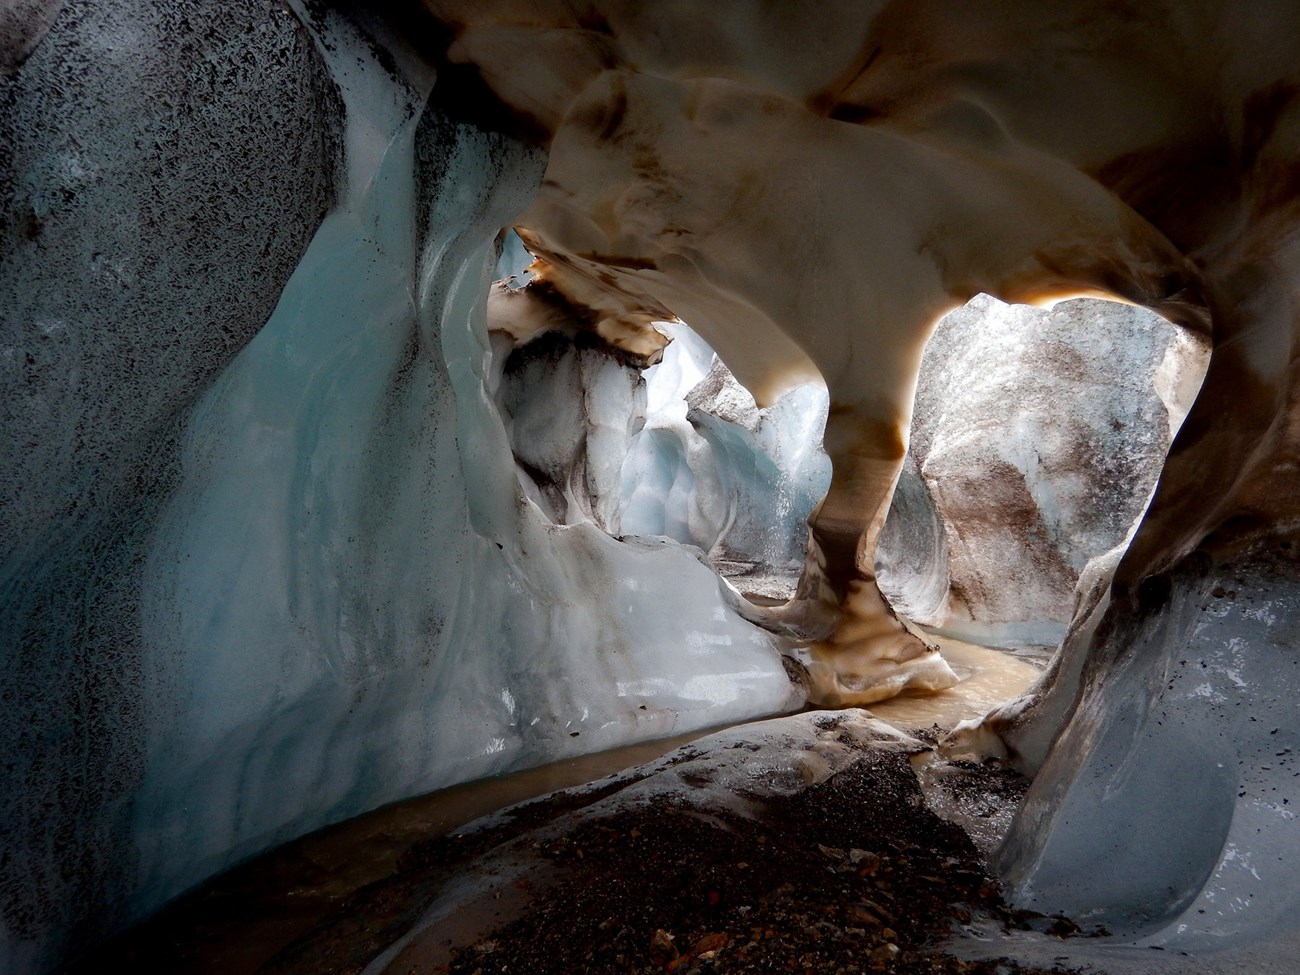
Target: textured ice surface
<point x="676" y="451"/>
<point x="162" y="168"/>
<point x="1037" y="439"/>
<point x="912" y="558"/>
<point x="711" y="469"/>
<point x="571" y="408"/>
<point x="1179" y="774"/>
<point x="243" y="602"/>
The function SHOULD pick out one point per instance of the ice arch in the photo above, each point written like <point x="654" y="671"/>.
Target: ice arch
<point x="816" y="189"/>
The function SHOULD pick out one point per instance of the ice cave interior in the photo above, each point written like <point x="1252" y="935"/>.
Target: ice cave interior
<point x="399" y="394"/>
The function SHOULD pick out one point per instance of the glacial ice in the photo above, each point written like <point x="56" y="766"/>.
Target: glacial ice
<point x="153" y="203"/>
<point x="1167" y="809"/>
<point x="254" y="584"/>
<point x="676" y="451"/>
<point x="1036" y="441"/>
<point x="1099" y="391"/>
<point x="344" y="597"/>
<point x="348" y="584"/>
<point x="710" y="469"/>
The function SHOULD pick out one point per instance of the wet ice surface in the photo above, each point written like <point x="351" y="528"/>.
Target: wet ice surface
<point x="348" y="599"/>
<point x="1178" y="774"/>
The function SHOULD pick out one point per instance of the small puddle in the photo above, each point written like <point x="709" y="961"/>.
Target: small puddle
<point x="988" y="677"/>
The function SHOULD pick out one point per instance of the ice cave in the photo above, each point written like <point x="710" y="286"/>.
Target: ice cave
<point x="405" y="395"/>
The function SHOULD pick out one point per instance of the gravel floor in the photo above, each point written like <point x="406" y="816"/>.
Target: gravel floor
<point x="803" y="844"/>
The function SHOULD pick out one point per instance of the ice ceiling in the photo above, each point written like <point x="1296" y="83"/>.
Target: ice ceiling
<point x="301" y="514"/>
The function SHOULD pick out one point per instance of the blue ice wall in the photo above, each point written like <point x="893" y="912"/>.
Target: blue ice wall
<point x="253" y="587"/>
<point x="712" y="470"/>
<point x="162" y="169"/>
<point x="1178" y="773"/>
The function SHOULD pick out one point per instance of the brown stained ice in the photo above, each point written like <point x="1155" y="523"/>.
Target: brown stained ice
<point x="817" y="214"/>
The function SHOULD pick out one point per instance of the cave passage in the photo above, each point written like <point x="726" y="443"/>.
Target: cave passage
<point x="303" y="514"/>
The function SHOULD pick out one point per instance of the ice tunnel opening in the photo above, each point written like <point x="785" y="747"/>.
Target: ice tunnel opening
<point x="1019" y="525"/>
<point x="1037" y="439"/>
<point x="670" y="447"/>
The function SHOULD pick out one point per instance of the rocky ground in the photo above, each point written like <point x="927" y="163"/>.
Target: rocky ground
<point x="804" y="846"/>
<point x="851" y="873"/>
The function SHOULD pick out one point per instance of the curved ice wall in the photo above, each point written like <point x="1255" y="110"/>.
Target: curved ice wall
<point x="162" y="169"/>
<point x="252" y="587"/>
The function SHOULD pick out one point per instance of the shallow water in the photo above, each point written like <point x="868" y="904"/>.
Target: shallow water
<point x="988" y="677"/>
<point x="238" y="921"/>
